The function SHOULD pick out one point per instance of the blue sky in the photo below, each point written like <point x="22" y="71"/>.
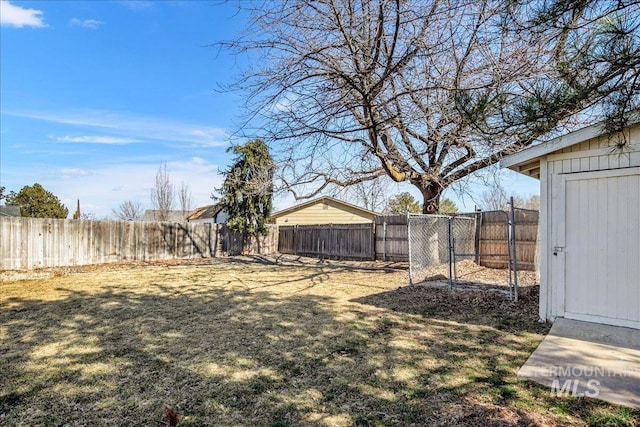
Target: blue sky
<point x="95" y="95"/>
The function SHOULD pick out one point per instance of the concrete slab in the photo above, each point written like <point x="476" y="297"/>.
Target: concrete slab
<point x="588" y="359"/>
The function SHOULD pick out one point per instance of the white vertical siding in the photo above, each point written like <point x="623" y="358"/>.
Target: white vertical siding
<point x="601" y="247"/>
<point x="617" y="204"/>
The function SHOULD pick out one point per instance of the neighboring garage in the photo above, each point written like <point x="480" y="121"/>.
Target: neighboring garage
<point x="589" y="224"/>
<point x="325" y="210"/>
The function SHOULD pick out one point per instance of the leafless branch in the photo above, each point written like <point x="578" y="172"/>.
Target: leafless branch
<point x="163" y="193"/>
<point x="129" y="211"/>
<point x="426" y="91"/>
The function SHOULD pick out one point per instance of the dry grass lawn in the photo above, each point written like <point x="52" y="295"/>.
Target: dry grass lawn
<point x="245" y="342"/>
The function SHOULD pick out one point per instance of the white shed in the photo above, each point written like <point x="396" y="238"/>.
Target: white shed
<point x="589" y="224"/>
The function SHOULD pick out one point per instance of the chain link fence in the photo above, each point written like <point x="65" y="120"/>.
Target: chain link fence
<point x="435" y="240"/>
<point x="464" y="229"/>
<point x="428" y="244"/>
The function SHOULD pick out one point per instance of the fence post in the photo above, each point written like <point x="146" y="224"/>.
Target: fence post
<point x="477" y="237"/>
<point x="513" y="251"/>
<point x="451" y="251"/>
<point x="409" y="241"/>
<point x="384" y="240"/>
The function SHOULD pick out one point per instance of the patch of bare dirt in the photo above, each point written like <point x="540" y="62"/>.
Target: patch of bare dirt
<point x="465" y="304"/>
<point x="470" y="273"/>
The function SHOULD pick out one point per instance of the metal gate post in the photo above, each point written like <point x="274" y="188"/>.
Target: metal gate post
<point x="451" y="252"/>
<point x="476" y="240"/>
<point x="513" y="251"/>
<point x="409" y="241"/>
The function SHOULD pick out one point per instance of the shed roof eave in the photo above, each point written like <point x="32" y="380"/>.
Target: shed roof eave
<point x="529" y="154"/>
<point x="540" y="150"/>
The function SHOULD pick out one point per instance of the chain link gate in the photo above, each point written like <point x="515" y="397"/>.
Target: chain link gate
<point x="428" y="244"/>
<point x="463" y="236"/>
<point x="435" y="240"/>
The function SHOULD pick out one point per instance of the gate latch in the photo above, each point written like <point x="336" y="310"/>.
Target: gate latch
<point x="557" y="249"/>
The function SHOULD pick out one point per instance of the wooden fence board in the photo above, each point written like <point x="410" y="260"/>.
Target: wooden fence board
<point x="392" y="241"/>
<point x="27" y="243"/>
<point x="334" y="241"/>
<point x="493" y="239"/>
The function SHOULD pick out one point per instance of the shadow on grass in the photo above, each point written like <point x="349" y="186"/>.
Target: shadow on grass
<point x="115" y="355"/>
<point x="480" y="307"/>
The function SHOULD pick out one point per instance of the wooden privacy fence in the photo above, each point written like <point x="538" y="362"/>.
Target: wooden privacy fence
<point x="34" y="242"/>
<point x="27" y="243"/>
<point x="493" y="235"/>
<point x="392" y="242"/>
<point x="235" y="244"/>
<point x="334" y="241"/>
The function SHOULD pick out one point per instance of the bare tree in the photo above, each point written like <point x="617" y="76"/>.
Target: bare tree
<point x="426" y="92"/>
<point x="533" y="203"/>
<point x="129" y="211"/>
<point x="371" y="195"/>
<point x="163" y="193"/>
<point x="184" y="197"/>
<point x="497" y="198"/>
<point x="88" y="215"/>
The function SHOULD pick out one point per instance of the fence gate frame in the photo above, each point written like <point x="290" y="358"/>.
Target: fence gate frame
<point x="416" y="224"/>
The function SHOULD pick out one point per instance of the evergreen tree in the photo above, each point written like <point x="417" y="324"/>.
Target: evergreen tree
<point x="76" y="214"/>
<point x="447" y="207"/>
<point x="403" y="203"/>
<point x="248" y="188"/>
<point x="37" y="202"/>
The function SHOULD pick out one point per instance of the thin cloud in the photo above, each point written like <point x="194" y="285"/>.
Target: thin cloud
<point x="19" y="17"/>
<point x="102" y="186"/>
<point x="91" y="24"/>
<point x="136" y="127"/>
<point x="105" y="186"/>
<point x="74" y="172"/>
<point x="96" y="140"/>
<point x="137" y="4"/>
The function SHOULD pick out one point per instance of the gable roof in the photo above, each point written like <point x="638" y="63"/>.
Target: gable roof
<point x="325" y="199"/>
<point x="204" y="212"/>
<point x="527" y="161"/>
<point x="10" y="211"/>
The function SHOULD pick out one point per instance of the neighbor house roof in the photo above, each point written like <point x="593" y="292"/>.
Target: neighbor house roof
<point x="204" y="212"/>
<point x="325" y="199"/>
<point x="10" y="211"/>
<point x="527" y="161"/>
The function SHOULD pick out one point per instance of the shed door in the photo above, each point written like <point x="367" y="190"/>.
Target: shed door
<point x="601" y="246"/>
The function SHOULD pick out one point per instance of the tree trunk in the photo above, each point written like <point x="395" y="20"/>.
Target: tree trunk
<point x="430" y="197"/>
